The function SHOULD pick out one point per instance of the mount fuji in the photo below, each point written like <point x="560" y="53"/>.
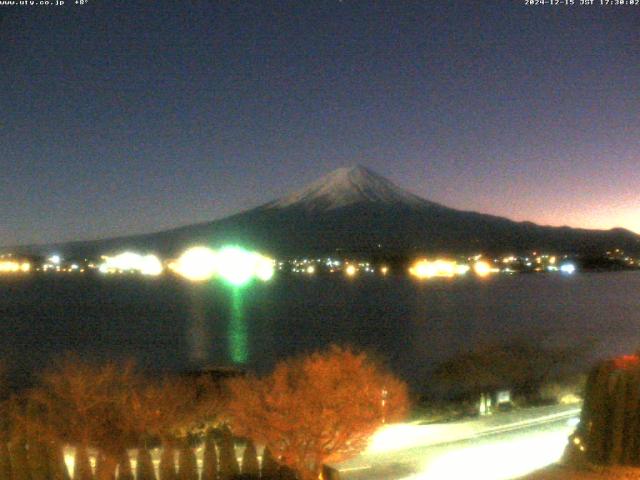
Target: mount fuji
<point x="355" y="210"/>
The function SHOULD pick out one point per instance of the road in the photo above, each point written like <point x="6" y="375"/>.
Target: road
<point x="500" y="447"/>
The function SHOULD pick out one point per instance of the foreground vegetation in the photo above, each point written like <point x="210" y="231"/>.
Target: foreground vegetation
<point x="308" y="411"/>
<point x="605" y="445"/>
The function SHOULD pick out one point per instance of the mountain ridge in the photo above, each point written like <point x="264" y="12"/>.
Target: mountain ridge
<point x="356" y="209"/>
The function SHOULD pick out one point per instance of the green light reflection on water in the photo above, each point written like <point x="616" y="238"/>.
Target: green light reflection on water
<point x="238" y="335"/>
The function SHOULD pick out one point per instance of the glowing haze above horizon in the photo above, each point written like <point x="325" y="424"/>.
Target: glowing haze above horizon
<point x="127" y="117"/>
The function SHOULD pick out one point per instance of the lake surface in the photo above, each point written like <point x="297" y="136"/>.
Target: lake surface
<point x="166" y="324"/>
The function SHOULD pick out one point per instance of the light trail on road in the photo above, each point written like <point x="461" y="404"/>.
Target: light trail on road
<point x="499" y="452"/>
<point x="499" y="457"/>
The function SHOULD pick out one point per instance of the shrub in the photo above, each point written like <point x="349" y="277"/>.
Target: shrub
<point x="82" y="470"/>
<point x="124" y="466"/>
<point x="57" y="466"/>
<point x="167" y="463"/>
<point x="187" y="466"/>
<point x="228" y="461"/>
<point x="269" y="467"/>
<point x="610" y="420"/>
<point x="210" y="459"/>
<point x="250" y="467"/>
<point x="144" y="465"/>
<point x="316" y="409"/>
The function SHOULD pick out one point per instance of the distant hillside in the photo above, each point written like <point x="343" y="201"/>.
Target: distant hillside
<point x="357" y="210"/>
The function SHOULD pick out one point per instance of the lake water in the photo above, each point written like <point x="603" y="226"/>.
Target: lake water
<point x="166" y="324"/>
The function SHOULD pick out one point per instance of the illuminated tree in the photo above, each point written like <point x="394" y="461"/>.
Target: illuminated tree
<point x="87" y="405"/>
<point x="124" y="465"/>
<point x="269" y="467"/>
<point x="228" y="461"/>
<point x="57" y="466"/>
<point x="168" y="463"/>
<point x="316" y="409"/>
<point x="82" y="467"/>
<point x="210" y="459"/>
<point x="105" y="470"/>
<point x="250" y="467"/>
<point x="159" y="408"/>
<point x="144" y="465"/>
<point x="187" y="466"/>
<point x="170" y="409"/>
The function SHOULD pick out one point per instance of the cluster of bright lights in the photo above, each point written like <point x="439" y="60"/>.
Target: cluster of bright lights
<point x="437" y="268"/>
<point x="196" y="264"/>
<point x="483" y="269"/>
<point x="132" y="262"/>
<point x="13" y="266"/>
<point x="318" y="265"/>
<point x="233" y="264"/>
<point x="568" y="268"/>
<point x="538" y="261"/>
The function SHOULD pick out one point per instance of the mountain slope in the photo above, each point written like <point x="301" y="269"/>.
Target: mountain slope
<point x="356" y="210"/>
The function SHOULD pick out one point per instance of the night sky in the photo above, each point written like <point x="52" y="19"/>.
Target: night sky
<point x="121" y="117"/>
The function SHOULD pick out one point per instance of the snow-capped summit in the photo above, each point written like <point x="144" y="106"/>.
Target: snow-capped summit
<point x="347" y="186"/>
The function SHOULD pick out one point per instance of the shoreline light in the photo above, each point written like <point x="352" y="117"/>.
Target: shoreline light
<point x="483" y="269"/>
<point x="232" y="264"/>
<point x="130" y="262"/>
<point x="13" y="266"/>
<point x="196" y="264"/>
<point x="424" y="269"/>
<point x="236" y="266"/>
<point x="265" y="268"/>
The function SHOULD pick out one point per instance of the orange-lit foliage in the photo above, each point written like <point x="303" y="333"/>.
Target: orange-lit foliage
<point x="86" y="405"/>
<point x="317" y="409"/>
<point x="163" y="408"/>
<point x="173" y="406"/>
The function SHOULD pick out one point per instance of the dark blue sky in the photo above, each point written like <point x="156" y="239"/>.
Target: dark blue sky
<point x="131" y="116"/>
